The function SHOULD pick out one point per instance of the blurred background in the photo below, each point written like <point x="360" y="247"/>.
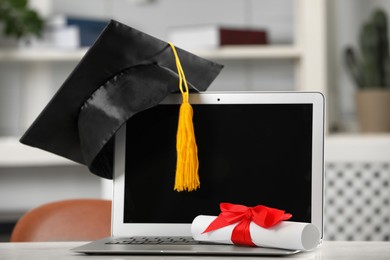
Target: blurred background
<point x="338" y="47"/>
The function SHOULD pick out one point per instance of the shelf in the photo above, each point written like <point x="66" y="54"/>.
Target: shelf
<point x="252" y="52"/>
<point x="15" y="154"/>
<point x="36" y="55"/>
<point x="223" y="53"/>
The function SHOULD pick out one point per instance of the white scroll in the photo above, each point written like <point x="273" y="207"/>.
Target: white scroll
<point x="286" y="234"/>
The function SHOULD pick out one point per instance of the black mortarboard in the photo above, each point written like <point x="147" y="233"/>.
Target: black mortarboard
<point x="125" y="72"/>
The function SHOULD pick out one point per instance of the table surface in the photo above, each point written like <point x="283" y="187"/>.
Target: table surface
<point x="328" y="250"/>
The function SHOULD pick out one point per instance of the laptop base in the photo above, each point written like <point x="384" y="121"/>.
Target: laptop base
<point x="107" y="247"/>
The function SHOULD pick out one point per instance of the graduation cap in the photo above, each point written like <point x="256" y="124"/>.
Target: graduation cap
<point x="125" y="72"/>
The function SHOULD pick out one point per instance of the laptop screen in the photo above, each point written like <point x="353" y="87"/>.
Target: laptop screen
<point x="248" y="154"/>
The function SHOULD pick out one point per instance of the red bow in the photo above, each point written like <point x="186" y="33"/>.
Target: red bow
<point x="232" y="213"/>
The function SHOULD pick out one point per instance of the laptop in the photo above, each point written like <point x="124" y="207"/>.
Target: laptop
<point x="253" y="148"/>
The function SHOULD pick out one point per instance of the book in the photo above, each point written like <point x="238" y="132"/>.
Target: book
<point x="62" y="31"/>
<point x="90" y="28"/>
<point x="214" y="36"/>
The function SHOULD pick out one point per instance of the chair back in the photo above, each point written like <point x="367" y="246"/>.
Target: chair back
<point x="67" y="220"/>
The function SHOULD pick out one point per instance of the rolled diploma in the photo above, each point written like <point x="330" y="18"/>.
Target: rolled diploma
<point x="286" y="234"/>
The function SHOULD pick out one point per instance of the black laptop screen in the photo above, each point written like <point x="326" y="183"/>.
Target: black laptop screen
<point x="248" y="154"/>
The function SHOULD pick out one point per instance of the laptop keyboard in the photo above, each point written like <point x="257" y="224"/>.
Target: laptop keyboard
<point x="154" y="240"/>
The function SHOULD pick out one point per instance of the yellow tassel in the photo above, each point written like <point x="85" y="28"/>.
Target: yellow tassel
<point x="187" y="165"/>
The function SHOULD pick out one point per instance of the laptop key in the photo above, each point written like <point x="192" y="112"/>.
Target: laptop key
<point x="155" y="240"/>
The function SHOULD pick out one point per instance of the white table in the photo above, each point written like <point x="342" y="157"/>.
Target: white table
<point x="329" y="250"/>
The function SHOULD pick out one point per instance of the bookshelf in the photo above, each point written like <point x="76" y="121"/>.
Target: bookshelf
<point x="41" y="55"/>
<point x="308" y="53"/>
<point x="252" y="53"/>
<point x="224" y="53"/>
<point x="15" y="154"/>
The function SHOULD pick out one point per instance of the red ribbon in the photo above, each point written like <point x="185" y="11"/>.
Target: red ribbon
<point x="232" y="213"/>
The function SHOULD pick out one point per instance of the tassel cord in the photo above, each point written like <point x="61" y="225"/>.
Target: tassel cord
<point x="187" y="178"/>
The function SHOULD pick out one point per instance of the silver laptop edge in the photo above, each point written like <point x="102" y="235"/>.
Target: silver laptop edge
<point x="119" y="228"/>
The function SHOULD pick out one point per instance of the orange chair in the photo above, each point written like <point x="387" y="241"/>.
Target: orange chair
<point x="68" y="220"/>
